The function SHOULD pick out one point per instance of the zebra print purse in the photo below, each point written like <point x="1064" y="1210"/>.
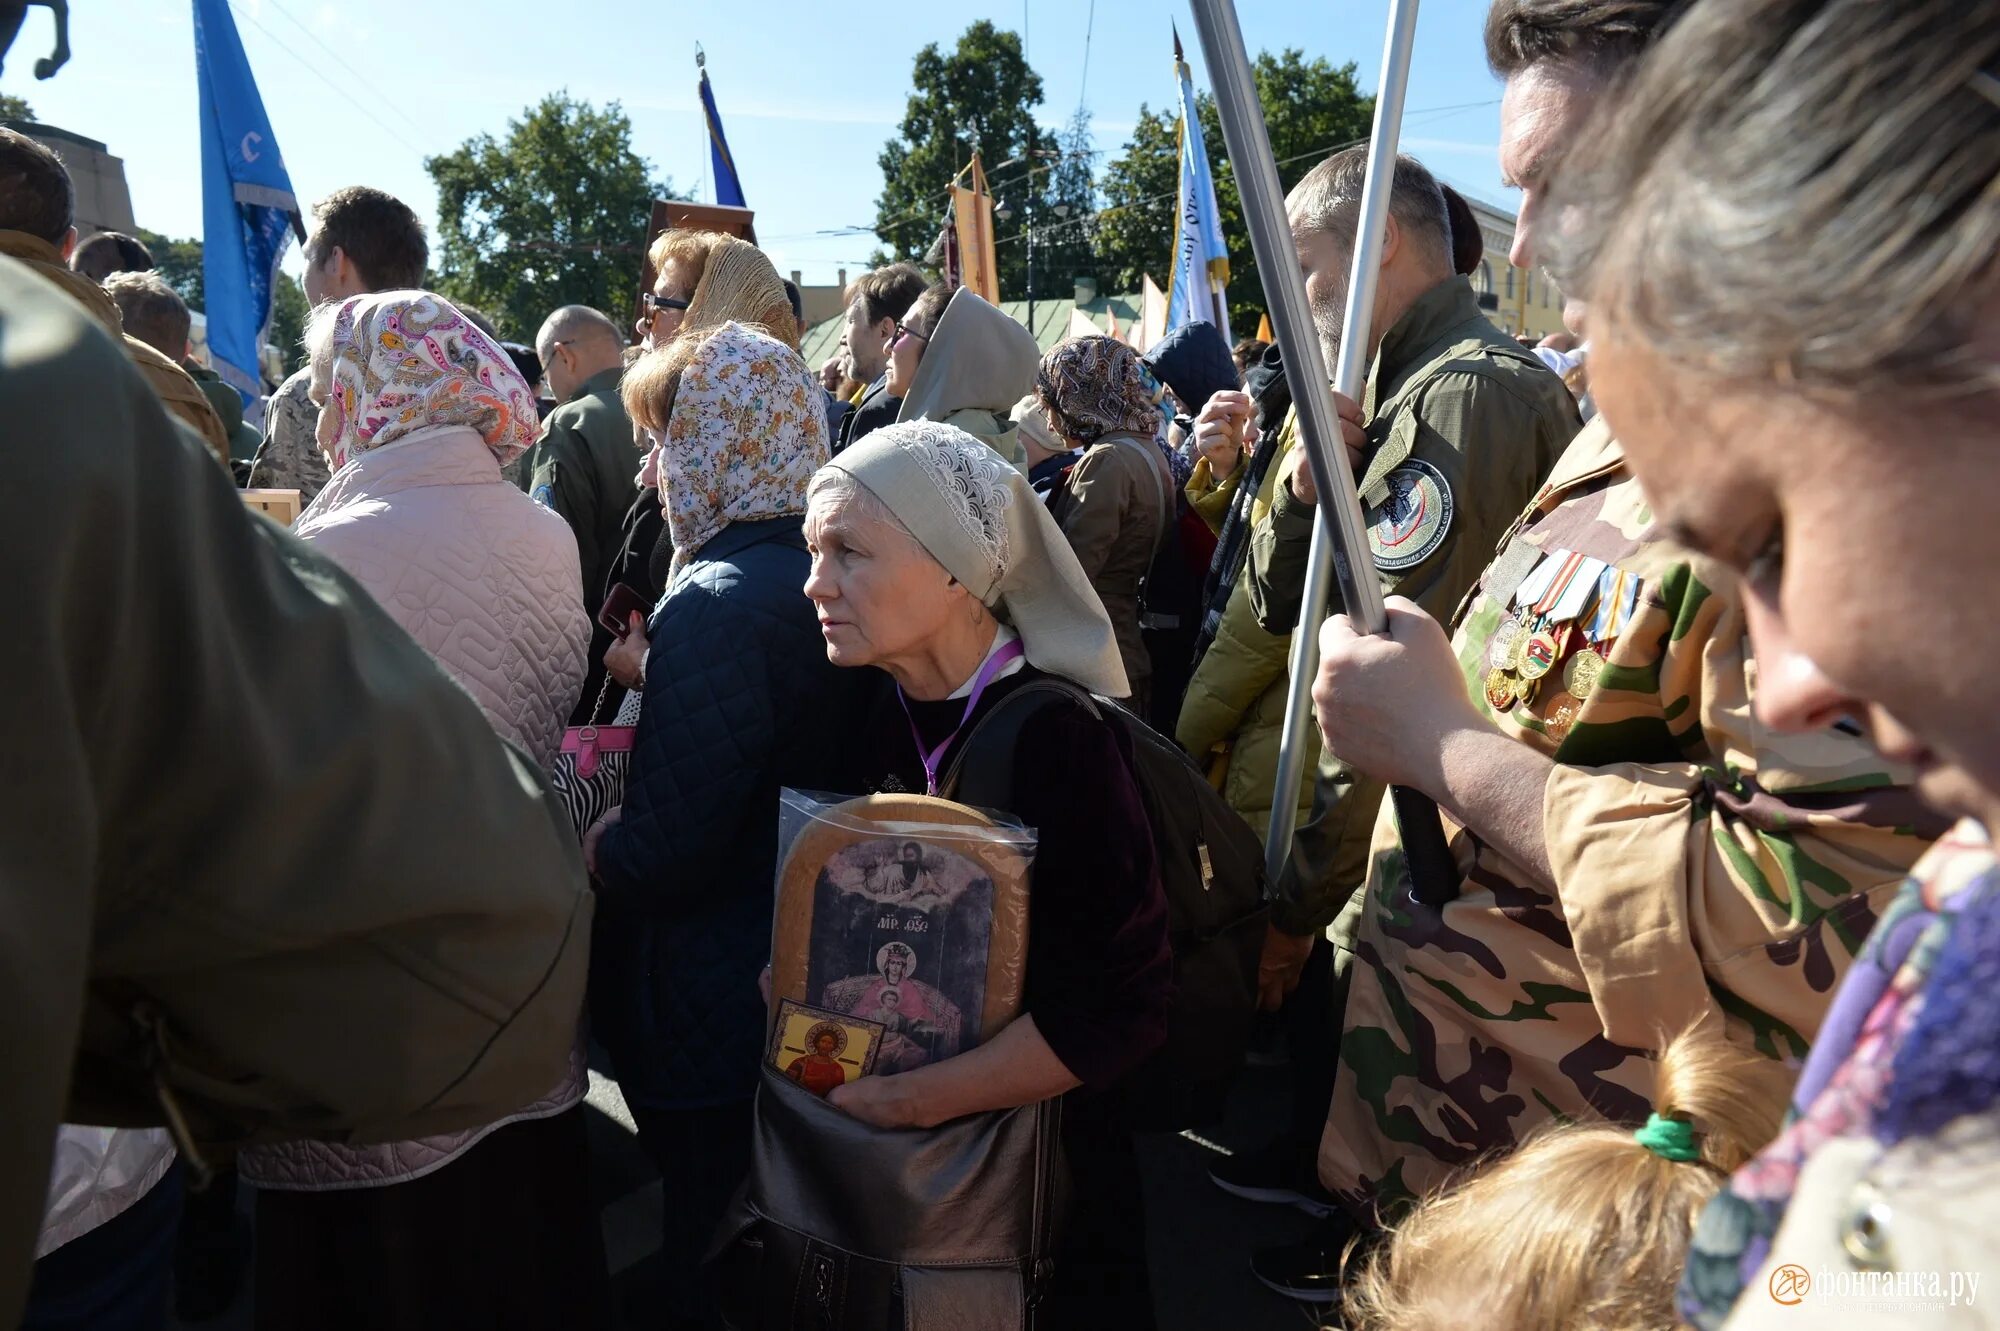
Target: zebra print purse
<point x="590" y="768"/>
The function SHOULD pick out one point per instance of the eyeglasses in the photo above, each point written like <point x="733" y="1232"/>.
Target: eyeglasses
<point x="903" y="330"/>
<point x="658" y="305"/>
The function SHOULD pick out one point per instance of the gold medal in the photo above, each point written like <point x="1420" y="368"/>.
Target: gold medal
<point x="1560" y="720"/>
<point x="1539" y="655"/>
<point x="1500" y="690"/>
<point x="1506" y="638"/>
<point x="1580" y="676"/>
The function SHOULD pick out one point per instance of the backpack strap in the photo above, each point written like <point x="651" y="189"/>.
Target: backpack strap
<point x="990" y="781"/>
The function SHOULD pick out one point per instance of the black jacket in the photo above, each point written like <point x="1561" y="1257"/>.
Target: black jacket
<point x="740" y="701"/>
<point x="875" y="410"/>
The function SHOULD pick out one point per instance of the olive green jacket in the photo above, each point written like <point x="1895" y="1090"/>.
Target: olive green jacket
<point x="583" y="468"/>
<point x="260" y="859"/>
<point x="1463" y="423"/>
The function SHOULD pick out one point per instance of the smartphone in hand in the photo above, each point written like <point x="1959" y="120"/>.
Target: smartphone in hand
<point x="618" y="609"/>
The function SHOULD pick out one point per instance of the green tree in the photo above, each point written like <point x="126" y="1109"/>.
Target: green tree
<point x="15" y="108"/>
<point x="178" y="262"/>
<point x="1310" y="108"/>
<point x="980" y="96"/>
<point x="1064" y="229"/>
<point x="554" y="214"/>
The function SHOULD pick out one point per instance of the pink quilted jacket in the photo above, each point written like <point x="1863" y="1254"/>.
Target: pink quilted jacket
<point x="486" y="580"/>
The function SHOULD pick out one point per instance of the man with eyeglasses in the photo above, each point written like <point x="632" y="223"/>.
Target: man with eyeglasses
<point x="875" y="302"/>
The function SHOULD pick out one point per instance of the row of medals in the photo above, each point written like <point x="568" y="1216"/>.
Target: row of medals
<point x="1525" y="657"/>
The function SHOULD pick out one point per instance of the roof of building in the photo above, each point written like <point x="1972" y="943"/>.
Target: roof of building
<point x="1051" y="323"/>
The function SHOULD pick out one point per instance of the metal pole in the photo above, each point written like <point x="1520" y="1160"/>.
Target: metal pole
<point x="1029" y="209"/>
<point x="1340" y="545"/>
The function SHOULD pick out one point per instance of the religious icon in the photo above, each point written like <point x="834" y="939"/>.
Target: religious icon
<point x="821" y="1050"/>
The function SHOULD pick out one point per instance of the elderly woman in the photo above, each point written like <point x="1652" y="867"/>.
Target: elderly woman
<point x="957" y="359"/>
<point x="1819" y="412"/>
<point x="739" y="700"/>
<point x="933" y="560"/>
<point x="419" y="411"/>
<point x="1119" y="501"/>
<point x="704" y="279"/>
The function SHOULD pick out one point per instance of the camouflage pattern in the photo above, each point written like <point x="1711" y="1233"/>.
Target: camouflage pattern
<point x="290" y="458"/>
<point x="1709" y="871"/>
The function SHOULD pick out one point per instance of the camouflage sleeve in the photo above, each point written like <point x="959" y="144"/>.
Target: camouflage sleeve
<point x="1740" y="878"/>
<point x="290" y="458"/>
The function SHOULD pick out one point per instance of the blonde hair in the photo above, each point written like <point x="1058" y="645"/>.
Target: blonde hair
<point x="650" y="383"/>
<point x="734" y="283"/>
<point x="1582" y="1228"/>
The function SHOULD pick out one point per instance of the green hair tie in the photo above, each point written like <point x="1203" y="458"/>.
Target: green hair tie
<point x="1669" y="1138"/>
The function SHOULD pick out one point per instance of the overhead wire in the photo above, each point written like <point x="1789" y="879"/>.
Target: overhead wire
<point x="353" y="94"/>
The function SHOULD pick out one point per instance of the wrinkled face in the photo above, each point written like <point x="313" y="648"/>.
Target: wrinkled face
<point x="866" y="343"/>
<point x="881" y="597"/>
<point x="1545" y="110"/>
<point x="1328" y="261"/>
<point x="1867" y="547"/>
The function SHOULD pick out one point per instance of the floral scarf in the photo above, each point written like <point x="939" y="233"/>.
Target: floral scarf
<point x="397" y="362"/>
<point x="747" y="432"/>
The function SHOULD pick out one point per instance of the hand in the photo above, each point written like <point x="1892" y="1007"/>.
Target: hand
<point x="885" y="1102"/>
<point x="625" y="660"/>
<point x="612" y="817"/>
<point x="1219" y="431"/>
<point x="764" y="984"/>
<point x="1387" y="704"/>
<point x="1352" y="435"/>
<point x="1279" y="968"/>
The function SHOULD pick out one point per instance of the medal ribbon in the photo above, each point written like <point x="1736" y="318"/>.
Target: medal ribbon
<point x="995" y="663"/>
<point x="1571" y="566"/>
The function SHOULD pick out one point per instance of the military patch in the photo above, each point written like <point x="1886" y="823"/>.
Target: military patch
<point x="1409" y="525"/>
<point x="544" y="494"/>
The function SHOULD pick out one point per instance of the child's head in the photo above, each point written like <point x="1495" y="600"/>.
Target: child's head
<point x="1583" y="1226"/>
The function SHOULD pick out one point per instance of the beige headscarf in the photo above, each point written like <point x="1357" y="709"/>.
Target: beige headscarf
<point x="978" y="517"/>
<point x="739" y="284"/>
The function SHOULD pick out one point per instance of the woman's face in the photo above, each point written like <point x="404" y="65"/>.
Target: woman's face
<point x="1867" y="546"/>
<point x="676" y="282"/>
<point x="881" y="597"/>
<point x="906" y="352"/>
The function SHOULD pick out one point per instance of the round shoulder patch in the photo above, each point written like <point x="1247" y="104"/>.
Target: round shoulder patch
<point x="1406" y="528"/>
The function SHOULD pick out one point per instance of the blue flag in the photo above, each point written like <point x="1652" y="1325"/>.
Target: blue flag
<point x="728" y="189"/>
<point x="248" y="212"/>
<point x="1201" y="259"/>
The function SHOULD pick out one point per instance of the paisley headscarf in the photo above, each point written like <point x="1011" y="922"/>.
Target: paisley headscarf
<point x="748" y="431"/>
<point x="392" y="363"/>
<point x="1094" y="386"/>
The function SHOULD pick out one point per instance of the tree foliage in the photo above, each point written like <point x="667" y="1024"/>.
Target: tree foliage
<point x="1064" y="226"/>
<point x="982" y="96"/>
<point x="1311" y="107"/>
<point x="178" y="262"/>
<point x="553" y="214"/>
<point x="15" y="108"/>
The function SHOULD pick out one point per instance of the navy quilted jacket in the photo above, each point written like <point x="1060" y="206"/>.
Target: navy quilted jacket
<point x="740" y="700"/>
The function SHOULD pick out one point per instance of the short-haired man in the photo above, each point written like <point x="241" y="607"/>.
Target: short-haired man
<point x="109" y="252"/>
<point x="38" y="227"/>
<point x="1638" y="855"/>
<point x="362" y="241"/>
<point x="584" y="464"/>
<point x="875" y="301"/>
<point x="154" y="313"/>
<point x="1460" y="426"/>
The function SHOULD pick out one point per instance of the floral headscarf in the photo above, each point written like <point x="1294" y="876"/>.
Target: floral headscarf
<point x="747" y="432"/>
<point x="1094" y="386"/>
<point x="390" y="364"/>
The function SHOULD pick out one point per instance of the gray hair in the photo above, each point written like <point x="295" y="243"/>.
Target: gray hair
<point x="1603" y="37"/>
<point x="1329" y="199"/>
<point x="151" y="311"/>
<point x="841" y="488"/>
<point x="1801" y="190"/>
<point x="575" y="321"/>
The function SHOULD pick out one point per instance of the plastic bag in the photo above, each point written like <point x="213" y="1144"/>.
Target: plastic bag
<point x="901" y="933"/>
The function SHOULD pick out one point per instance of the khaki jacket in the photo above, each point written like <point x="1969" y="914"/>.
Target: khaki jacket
<point x="182" y="396"/>
<point x="1706" y="870"/>
<point x="583" y="467"/>
<point x="260" y="859"/>
<point x="1114" y="512"/>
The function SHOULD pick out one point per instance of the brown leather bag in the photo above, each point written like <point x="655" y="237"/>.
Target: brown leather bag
<point x="848" y="1227"/>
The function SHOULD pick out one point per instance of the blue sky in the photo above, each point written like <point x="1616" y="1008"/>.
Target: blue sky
<point x="361" y="91"/>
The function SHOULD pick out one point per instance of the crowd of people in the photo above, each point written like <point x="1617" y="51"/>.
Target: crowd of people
<point x="310" y="888"/>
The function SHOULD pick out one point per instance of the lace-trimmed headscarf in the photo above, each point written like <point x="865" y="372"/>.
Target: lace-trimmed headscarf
<point x="977" y="516"/>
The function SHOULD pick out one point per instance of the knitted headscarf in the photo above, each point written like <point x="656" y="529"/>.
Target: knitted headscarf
<point x="394" y="363"/>
<point x="1094" y="386"/>
<point x="738" y="284"/>
<point x="979" y="518"/>
<point x="748" y="431"/>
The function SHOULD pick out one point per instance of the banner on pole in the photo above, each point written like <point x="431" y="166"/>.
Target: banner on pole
<point x="728" y="189"/>
<point x="1201" y="259"/>
<point x="972" y="214"/>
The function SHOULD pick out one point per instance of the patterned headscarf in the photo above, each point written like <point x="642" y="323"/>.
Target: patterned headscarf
<point x="392" y="363"/>
<point x="1094" y="386"/>
<point x="740" y="284"/>
<point x="748" y="431"/>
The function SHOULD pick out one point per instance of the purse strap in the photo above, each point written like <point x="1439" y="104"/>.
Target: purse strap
<point x="1000" y="729"/>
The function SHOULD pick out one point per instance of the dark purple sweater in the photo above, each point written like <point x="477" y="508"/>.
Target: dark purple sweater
<point x="1099" y="972"/>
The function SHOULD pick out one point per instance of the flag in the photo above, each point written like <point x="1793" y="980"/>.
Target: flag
<point x="248" y="212"/>
<point x="1264" y="334"/>
<point x="1111" y="325"/>
<point x="1201" y="260"/>
<point x="728" y="189"/>
<point x="1080" y="324"/>
<point x="1152" y="315"/>
<point x="972" y="211"/>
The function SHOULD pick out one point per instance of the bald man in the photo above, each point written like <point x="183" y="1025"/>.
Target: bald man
<point x="584" y="464"/>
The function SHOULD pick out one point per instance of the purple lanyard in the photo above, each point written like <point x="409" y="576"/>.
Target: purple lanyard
<point x="995" y="663"/>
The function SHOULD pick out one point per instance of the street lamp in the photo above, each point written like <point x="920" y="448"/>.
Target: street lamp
<point x="1005" y="212"/>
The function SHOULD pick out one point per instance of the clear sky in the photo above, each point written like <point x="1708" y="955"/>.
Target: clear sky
<point x="361" y="91"/>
